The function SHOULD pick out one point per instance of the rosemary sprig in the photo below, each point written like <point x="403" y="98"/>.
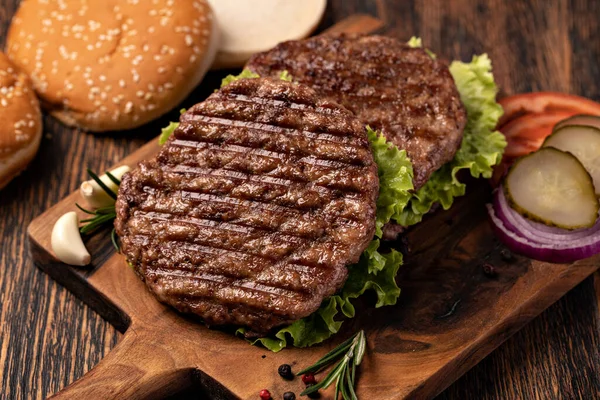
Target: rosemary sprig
<point x="102" y="216"/>
<point x="348" y="355"/>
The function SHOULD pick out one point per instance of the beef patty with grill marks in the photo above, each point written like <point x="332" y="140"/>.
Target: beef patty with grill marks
<point x="254" y="207"/>
<point x="398" y="90"/>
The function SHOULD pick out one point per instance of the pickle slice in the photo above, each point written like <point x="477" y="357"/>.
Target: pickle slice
<point x="584" y="143"/>
<point x="552" y="187"/>
<point x="581" y="119"/>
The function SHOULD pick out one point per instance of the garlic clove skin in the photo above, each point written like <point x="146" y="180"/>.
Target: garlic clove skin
<point x="66" y="241"/>
<point x="95" y="196"/>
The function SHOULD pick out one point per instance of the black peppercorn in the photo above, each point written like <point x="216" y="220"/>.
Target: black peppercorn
<point x="289" y="396"/>
<point x="313" y="395"/>
<point x="285" y="371"/>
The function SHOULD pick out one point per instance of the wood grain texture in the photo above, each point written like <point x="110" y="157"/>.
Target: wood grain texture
<point x="48" y="338"/>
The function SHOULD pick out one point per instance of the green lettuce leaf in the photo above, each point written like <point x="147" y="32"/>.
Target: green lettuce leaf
<point x="167" y="131"/>
<point x="417" y="42"/>
<point x="482" y="146"/>
<point x="395" y="179"/>
<point x="244" y="74"/>
<point x="285" y="76"/>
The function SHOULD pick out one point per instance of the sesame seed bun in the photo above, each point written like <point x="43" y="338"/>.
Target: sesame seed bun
<point x="249" y="27"/>
<point x="111" y="64"/>
<point x="21" y="127"/>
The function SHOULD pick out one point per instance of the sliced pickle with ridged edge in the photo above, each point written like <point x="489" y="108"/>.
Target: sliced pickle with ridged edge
<point x="584" y="143"/>
<point x="552" y="187"/>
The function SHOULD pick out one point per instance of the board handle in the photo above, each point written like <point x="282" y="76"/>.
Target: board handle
<point x="137" y="368"/>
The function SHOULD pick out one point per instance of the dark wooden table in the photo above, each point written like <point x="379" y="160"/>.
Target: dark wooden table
<point x="48" y="338"/>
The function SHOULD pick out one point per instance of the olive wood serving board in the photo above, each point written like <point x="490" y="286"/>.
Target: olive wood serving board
<point x="450" y="315"/>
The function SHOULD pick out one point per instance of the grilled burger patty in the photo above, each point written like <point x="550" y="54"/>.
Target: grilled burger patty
<point x="252" y="210"/>
<point x="398" y="90"/>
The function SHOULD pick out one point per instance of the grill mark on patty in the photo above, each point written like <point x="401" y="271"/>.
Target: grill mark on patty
<point x="223" y="282"/>
<point x="291" y="277"/>
<point x="284" y="104"/>
<point x="280" y="144"/>
<point x="214" y="258"/>
<point x="278" y="155"/>
<point x="272" y="129"/>
<point x="306" y="169"/>
<point x="280" y="117"/>
<point x="251" y="211"/>
<point x="252" y="188"/>
<point x="275" y="118"/>
<point x="219" y="225"/>
<point x="343" y="211"/>
<point x="242" y="176"/>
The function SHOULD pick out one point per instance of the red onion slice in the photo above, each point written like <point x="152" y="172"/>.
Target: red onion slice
<point x="553" y="245"/>
<point x="535" y="231"/>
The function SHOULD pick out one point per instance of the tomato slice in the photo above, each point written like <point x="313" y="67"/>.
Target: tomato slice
<point x="527" y="133"/>
<point x="545" y="102"/>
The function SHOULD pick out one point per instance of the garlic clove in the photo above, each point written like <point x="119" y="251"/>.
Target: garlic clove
<point x="95" y="196"/>
<point x="66" y="241"/>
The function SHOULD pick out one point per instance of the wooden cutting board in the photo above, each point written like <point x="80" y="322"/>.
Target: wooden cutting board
<point x="450" y="314"/>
